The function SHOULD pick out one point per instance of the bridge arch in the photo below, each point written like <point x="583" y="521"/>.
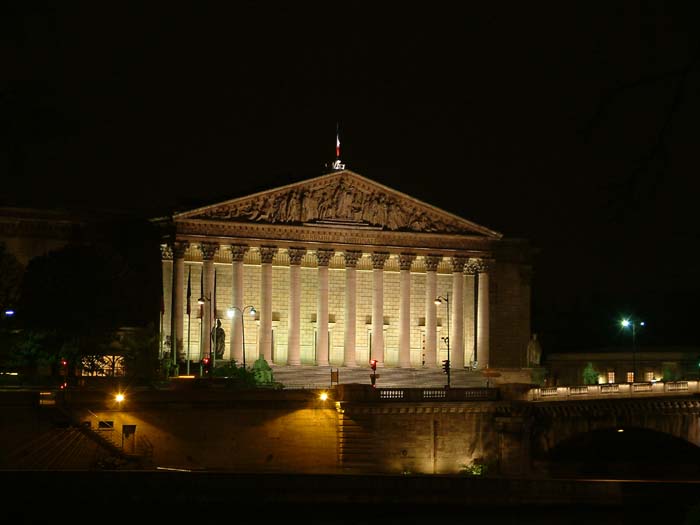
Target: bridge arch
<point x="562" y="423"/>
<point x="624" y="453"/>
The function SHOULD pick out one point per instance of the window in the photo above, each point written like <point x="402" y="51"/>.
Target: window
<point x="611" y="377"/>
<point x="648" y="376"/>
<point x="630" y="377"/>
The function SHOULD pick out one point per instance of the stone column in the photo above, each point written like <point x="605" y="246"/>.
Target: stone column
<point x="293" y="346"/>
<point x="166" y="258"/>
<point x="267" y="253"/>
<point x="349" y="350"/>
<point x="208" y="252"/>
<point x="405" y="261"/>
<point x="238" y="252"/>
<point x="483" y="315"/>
<point x="378" y="261"/>
<point x="470" y="272"/>
<point x="456" y="334"/>
<point x="177" y="338"/>
<point x="322" y="349"/>
<point x="431" y="264"/>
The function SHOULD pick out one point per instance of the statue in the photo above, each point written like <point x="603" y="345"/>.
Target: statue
<point x="262" y="372"/>
<point x="534" y="352"/>
<point x="218" y="338"/>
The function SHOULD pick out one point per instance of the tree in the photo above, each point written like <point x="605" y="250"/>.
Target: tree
<point x="83" y="294"/>
<point x="590" y="376"/>
<point x="140" y="350"/>
<point x="10" y="278"/>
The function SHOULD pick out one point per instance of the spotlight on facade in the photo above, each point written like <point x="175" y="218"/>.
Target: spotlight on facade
<point x="323" y="396"/>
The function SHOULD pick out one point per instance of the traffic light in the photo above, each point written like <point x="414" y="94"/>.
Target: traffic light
<point x="205" y="363"/>
<point x="373" y="364"/>
<point x="446" y="366"/>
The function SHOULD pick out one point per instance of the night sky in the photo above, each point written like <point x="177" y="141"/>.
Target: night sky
<point x="571" y="124"/>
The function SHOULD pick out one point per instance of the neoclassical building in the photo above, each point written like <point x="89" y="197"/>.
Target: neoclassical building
<point x="339" y="269"/>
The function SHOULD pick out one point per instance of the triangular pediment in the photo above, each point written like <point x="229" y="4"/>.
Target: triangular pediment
<point x="339" y="199"/>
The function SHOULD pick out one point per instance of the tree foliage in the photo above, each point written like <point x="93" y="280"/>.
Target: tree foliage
<point x="10" y="278"/>
<point x="140" y="350"/>
<point x="590" y="376"/>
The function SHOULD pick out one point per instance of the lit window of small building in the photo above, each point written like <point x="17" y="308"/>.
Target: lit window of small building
<point x="611" y="376"/>
<point x="648" y="376"/>
<point x="630" y="377"/>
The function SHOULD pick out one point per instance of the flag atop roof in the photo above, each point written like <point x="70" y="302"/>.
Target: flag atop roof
<point x="337" y="141"/>
<point x="337" y="164"/>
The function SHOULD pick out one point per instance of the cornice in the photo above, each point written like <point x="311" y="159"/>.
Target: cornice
<point x="227" y="232"/>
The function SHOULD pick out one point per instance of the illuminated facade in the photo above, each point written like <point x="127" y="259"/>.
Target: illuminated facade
<point x="339" y="269"/>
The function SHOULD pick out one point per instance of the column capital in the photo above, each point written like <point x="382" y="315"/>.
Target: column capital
<point x="406" y="260"/>
<point x="166" y="252"/>
<point x="267" y="253"/>
<point x="458" y="263"/>
<point x="208" y="250"/>
<point x="379" y="260"/>
<point x="478" y="265"/>
<point x="179" y="248"/>
<point x="351" y="258"/>
<point x="323" y="256"/>
<point x="296" y="255"/>
<point x="238" y="251"/>
<point x="432" y="261"/>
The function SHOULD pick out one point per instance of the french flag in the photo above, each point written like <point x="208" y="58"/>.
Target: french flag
<point x="337" y="143"/>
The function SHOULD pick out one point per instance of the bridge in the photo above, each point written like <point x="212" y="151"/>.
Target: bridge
<point x="511" y="430"/>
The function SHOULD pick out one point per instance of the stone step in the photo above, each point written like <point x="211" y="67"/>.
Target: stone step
<point x="314" y="377"/>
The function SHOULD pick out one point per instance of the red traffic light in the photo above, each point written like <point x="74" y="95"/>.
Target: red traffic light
<point x="373" y="364"/>
<point x="64" y="362"/>
<point x="205" y="360"/>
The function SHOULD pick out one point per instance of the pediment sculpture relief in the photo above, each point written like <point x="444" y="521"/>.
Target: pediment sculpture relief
<point x="337" y="201"/>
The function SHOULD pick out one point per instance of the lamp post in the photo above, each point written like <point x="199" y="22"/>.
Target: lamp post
<point x="446" y="364"/>
<point x="631" y="323"/>
<point x="231" y="312"/>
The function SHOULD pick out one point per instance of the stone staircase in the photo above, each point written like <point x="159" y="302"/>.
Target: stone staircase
<point x="315" y="377"/>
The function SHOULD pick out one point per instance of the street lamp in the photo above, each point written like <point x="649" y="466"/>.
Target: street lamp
<point x="631" y="323"/>
<point x="446" y="364"/>
<point x="231" y="312"/>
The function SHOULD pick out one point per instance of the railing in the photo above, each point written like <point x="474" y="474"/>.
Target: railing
<point x="366" y="393"/>
<point x="613" y="390"/>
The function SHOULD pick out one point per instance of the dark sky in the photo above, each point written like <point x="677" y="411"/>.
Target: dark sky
<point x="571" y="124"/>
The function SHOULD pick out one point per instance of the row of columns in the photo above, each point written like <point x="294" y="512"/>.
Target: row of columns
<point x="460" y="264"/>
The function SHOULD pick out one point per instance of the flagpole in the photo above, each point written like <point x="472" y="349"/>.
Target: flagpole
<point x="160" y="354"/>
<point x="212" y="306"/>
<point x="189" y="317"/>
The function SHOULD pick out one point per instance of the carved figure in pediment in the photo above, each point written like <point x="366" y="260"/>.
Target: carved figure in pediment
<point x="251" y="210"/>
<point x="324" y="206"/>
<point x="344" y="198"/>
<point x="372" y="211"/>
<point x="264" y="208"/>
<point x="309" y="206"/>
<point x="293" y="209"/>
<point x="419" y="222"/>
<point x="396" y="218"/>
<point x="358" y="202"/>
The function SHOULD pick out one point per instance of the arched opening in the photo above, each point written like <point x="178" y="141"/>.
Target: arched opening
<point x="624" y="453"/>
